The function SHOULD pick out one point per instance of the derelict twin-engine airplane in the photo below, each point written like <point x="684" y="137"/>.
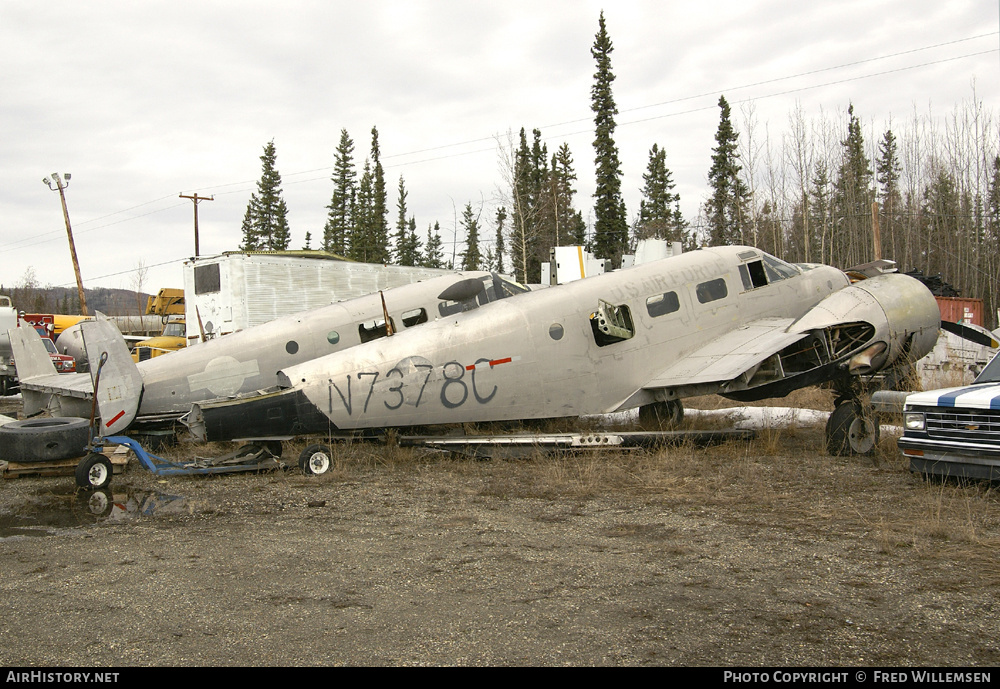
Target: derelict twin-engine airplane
<point x="728" y="320"/>
<point x="155" y="392"/>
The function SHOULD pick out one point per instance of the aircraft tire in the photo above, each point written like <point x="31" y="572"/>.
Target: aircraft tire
<point x="94" y="471"/>
<point x="316" y="460"/>
<point x="850" y="431"/>
<point x="661" y="415"/>
<point x="44" y="440"/>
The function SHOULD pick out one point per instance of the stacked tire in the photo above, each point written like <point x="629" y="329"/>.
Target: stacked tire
<point x="44" y="440"/>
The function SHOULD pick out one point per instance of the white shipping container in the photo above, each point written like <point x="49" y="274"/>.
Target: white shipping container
<point x="237" y="290"/>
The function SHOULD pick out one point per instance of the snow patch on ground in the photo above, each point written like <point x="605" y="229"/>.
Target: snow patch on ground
<point x="740" y="417"/>
<point x="764" y="417"/>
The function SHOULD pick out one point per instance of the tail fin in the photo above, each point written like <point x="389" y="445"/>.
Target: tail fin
<point x="119" y="388"/>
<point x="30" y="356"/>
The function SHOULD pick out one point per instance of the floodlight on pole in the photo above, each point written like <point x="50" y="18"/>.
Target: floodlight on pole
<point x="60" y="185"/>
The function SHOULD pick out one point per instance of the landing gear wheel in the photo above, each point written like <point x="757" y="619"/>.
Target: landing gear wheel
<point x="851" y="431"/>
<point x="316" y="460"/>
<point x="94" y="471"/>
<point x="662" y="415"/>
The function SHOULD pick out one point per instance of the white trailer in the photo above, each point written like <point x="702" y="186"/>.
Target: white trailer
<point x="237" y="290"/>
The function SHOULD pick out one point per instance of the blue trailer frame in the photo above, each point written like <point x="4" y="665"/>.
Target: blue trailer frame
<point x="94" y="470"/>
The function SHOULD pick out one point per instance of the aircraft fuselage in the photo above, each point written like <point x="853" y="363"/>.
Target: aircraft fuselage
<point x="585" y="347"/>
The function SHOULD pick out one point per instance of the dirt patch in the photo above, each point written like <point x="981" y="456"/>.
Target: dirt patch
<point x="771" y="553"/>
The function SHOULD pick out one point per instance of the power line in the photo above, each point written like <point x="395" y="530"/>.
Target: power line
<point x="36" y="239"/>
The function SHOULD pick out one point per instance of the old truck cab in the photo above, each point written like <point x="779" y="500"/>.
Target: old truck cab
<point x="955" y="431"/>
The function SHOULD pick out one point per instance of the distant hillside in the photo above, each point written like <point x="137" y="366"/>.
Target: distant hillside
<point x="113" y="302"/>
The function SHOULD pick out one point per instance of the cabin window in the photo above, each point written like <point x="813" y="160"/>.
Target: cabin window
<point x="373" y="330"/>
<point x="206" y="279"/>
<point x="292" y="347"/>
<point x="662" y="304"/>
<point x="333" y="337"/>
<point x="713" y="290"/>
<point x="414" y="317"/>
<point x="556" y="331"/>
<point x="753" y="275"/>
<point x="611" y="323"/>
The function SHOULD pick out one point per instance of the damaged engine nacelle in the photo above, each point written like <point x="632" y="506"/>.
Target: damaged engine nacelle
<point x="859" y="330"/>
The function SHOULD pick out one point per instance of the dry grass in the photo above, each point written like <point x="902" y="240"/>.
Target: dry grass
<point x="783" y="479"/>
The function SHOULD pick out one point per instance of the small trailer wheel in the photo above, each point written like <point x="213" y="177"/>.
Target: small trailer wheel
<point x="94" y="471"/>
<point x="315" y="460"/>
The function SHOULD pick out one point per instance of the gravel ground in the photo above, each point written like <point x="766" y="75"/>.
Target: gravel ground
<point x="769" y="554"/>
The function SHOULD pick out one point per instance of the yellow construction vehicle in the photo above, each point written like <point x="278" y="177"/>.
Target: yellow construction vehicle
<point x="168" y="304"/>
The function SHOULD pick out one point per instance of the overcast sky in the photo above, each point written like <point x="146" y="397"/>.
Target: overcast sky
<point x="143" y="101"/>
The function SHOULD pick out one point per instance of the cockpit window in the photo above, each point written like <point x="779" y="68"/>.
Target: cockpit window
<point x="753" y="275"/>
<point x="495" y="287"/>
<point x="778" y="269"/>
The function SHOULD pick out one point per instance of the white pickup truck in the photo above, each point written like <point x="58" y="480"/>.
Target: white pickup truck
<point x="955" y="431"/>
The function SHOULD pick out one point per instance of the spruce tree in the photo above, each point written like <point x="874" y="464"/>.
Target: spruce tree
<point x="524" y="233"/>
<point x="993" y="202"/>
<point x="852" y="199"/>
<point x="659" y="209"/>
<point x="610" y="225"/>
<point x="407" y="245"/>
<point x="267" y="211"/>
<point x="472" y="259"/>
<point x="940" y="212"/>
<point x="250" y="240"/>
<point x="498" y="249"/>
<point x="434" y="248"/>
<point x="363" y="230"/>
<point x="727" y="207"/>
<point x="887" y="173"/>
<point x="402" y="227"/>
<point x="339" y="219"/>
<point x="569" y="225"/>
<point x="413" y="243"/>
<point x="379" y="241"/>
<point x="819" y="211"/>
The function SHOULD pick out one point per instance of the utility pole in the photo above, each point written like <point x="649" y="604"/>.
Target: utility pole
<point x="196" y="199"/>
<point x="61" y="186"/>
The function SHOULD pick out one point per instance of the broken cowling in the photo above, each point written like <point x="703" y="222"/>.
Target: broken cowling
<point x="876" y="321"/>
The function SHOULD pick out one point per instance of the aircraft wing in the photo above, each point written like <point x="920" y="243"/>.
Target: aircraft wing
<point x="730" y="355"/>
